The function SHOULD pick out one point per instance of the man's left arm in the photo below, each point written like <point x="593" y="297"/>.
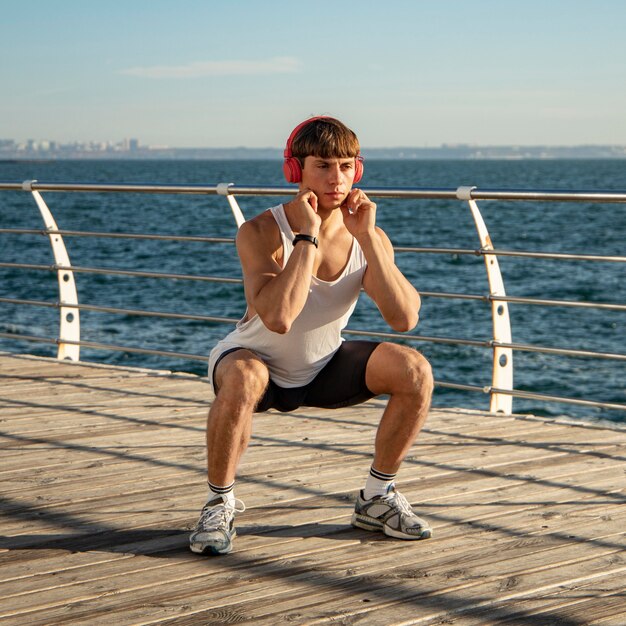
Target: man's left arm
<point x="396" y="298"/>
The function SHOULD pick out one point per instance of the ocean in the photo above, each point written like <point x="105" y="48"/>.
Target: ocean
<point x="546" y="227"/>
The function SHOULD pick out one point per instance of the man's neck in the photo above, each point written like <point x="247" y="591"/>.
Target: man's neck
<point x="331" y="220"/>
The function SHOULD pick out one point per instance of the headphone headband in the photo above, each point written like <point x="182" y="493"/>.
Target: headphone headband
<point x="291" y="165"/>
<point x="296" y="130"/>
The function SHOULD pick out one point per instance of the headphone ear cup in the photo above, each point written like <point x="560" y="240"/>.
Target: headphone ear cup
<point x="292" y="170"/>
<point x="358" y="170"/>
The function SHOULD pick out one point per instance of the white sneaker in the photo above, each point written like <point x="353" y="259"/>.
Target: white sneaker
<point x="391" y="514"/>
<point x="215" y="530"/>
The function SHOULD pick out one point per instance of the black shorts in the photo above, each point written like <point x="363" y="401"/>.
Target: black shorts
<point x="341" y="382"/>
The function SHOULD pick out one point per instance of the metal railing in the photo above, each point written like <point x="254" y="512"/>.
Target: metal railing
<point x="500" y="389"/>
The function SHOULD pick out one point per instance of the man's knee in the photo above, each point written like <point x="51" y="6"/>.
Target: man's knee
<point x="421" y="373"/>
<point x="243" y="374"/>
<point x="400" y="369"/>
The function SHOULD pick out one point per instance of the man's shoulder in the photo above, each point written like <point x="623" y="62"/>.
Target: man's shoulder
<point x="263" y="218"/>
<point x="259" y="222"/>
<point x="261" y="226"/>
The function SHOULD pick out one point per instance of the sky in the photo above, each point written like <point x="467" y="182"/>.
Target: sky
<point x="228" y="73"/>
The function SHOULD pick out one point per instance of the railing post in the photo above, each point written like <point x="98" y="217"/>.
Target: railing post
<point x="69" y="321"/>
<point x="502" y="372"/>
<point x="222" y="190"/>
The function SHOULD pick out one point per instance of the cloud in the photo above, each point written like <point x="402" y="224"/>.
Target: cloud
<point x="198" y="69"/>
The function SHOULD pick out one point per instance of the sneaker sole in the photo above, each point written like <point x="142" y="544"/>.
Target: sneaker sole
<point x="373" y="525"/>
<point x="366" y="523"/>
<point x="427" y="533"/>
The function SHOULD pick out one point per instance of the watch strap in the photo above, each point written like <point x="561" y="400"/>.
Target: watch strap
<point x="308" y="238"/>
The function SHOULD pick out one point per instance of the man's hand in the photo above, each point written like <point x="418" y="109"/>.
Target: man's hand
<point x="303" y="208"/>
<point x="359" y="213"/>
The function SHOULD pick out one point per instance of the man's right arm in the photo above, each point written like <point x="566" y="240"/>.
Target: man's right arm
<point x="276" y="294"/>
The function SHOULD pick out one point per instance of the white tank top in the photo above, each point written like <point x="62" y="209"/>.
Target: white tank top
<point x="296" y="357"/>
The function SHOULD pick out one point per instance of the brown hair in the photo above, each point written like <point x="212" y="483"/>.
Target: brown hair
<point x="326" y="138"/>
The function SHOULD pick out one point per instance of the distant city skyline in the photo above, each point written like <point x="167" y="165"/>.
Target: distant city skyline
<point x="406" y="73"/>
<point x="133" y="148"/>
<point x="134" y="143"/>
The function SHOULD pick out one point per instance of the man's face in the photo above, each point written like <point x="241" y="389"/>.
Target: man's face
<point x="330" y="179"/>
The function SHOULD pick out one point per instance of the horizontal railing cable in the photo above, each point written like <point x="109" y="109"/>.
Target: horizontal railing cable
<point x="558" y="256"/>
<point x="233" y="320"/>
<point x="518" y="393"/>
<point x="462" y="387"/>
<point x="222" y="279"/>
<point x="86" y="233"/>
<point x="609" y="306"/>
<point x="118" y="311"/>
<point x="408" y="337"/>
<point x="120" y="272"/>
<point x="229" y="320"/>
<point x="107" y="346"/>
<point x="571" y="352"/>
<point x="529" y="395"/>
<point x="196" y="357"/>
<point x="201" y="358"/>
<point x="380" y="192"/>
<point x="492" y="344"/>
<point x="561" y="256"/>
<point x="613" y="306"/>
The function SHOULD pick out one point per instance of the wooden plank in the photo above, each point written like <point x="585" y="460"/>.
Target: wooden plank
<point x="97" y="496"/>
<point x="306" y="452"/>
<point x="466" y="579"/>
<point x="326" y="479"/>
<point x="17" y="586"/>
<point x="246" y="483"/>
<point x="173" y="509"/>
<point x="288" y="517"/>
<point x="282" y="579"/>
<point x="109" y="470"/>
<point x="575" y="602"/>
<point x="461" y="535"/>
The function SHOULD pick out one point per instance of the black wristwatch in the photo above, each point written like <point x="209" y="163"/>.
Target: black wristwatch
<point x="308" y="238"/>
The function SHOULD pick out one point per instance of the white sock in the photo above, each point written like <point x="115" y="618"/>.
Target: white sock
<point x="228" y="492"/>
<point x="377" y="484"/>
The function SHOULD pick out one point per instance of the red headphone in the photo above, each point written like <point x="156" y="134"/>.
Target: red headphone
<point x="291" y="165"/>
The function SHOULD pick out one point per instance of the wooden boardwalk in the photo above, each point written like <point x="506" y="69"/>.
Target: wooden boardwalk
<point x="102" y="476"/>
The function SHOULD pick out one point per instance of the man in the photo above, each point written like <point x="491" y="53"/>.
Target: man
<point x="304" y="264"/>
